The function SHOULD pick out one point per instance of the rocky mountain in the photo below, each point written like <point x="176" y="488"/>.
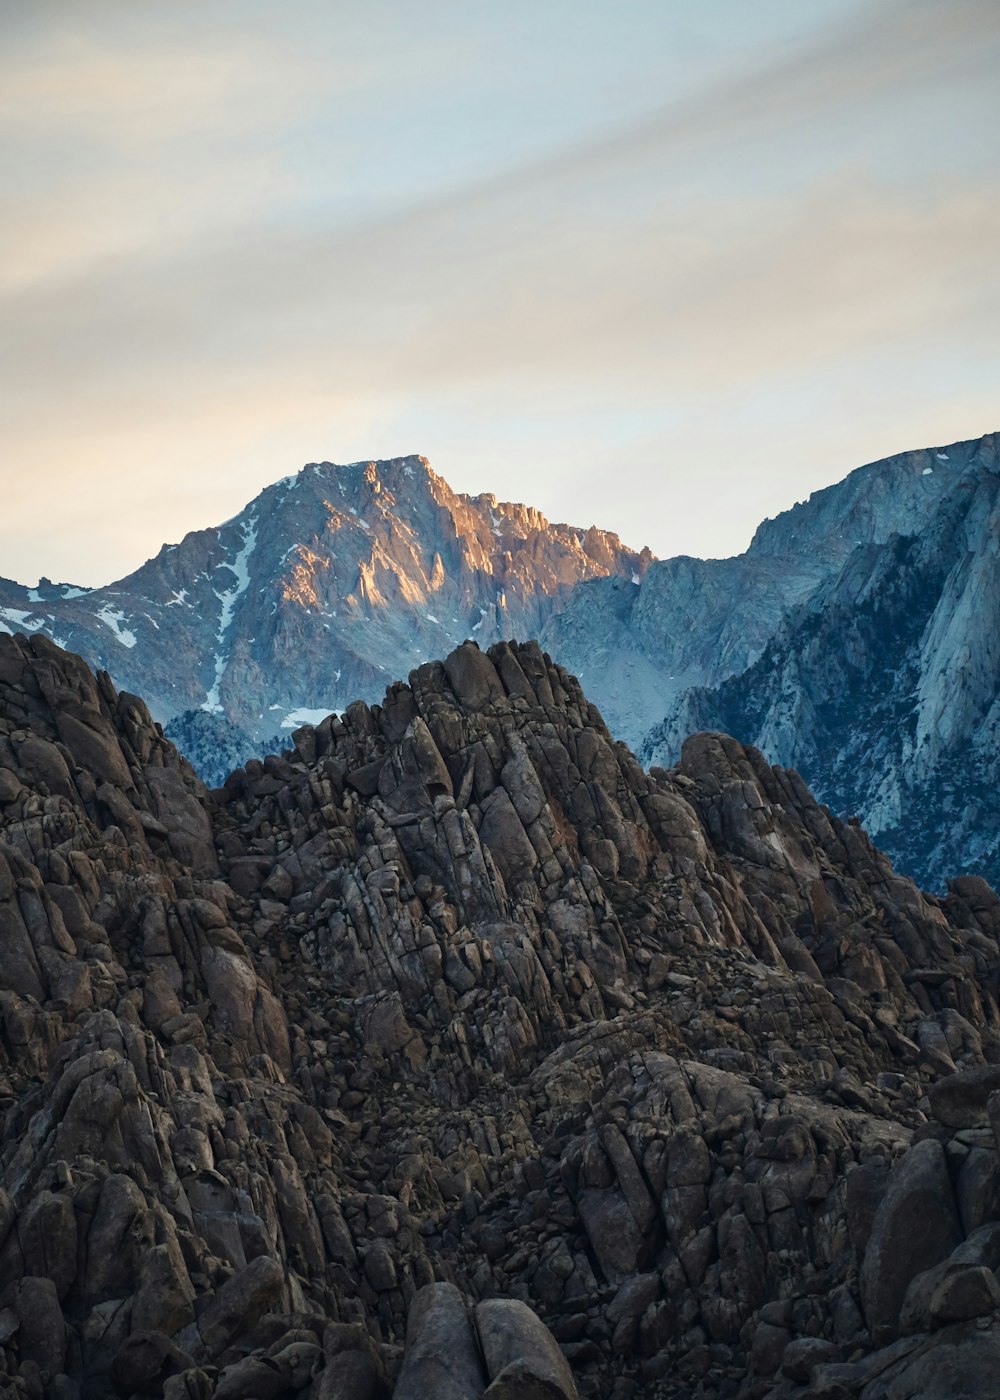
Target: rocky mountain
<point x="811" y="644"/>
<point x="695" y="622"/>
<point x="333" y="580"/>
<point x="884" y="688"/>
<point x="322" y="589"/>
<point x="452" y="1054"/>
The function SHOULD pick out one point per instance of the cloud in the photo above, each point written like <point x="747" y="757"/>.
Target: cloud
<point x="178" y="325"/>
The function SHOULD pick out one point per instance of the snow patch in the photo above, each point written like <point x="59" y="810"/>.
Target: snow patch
<point x="927" y="471"/>
<point x="430" y="617"/>
<point x="21" y="620"/>
<point x="229" y="598"/>
<point x="69" y="592"/>
<point x="34" y="596"/>
<point x="942" y="457"/>
<point x="179" y="599"/>
<point x="113" y="620"/>
<point x="304" y="715"/>
<point x="635" y="579"/>
<point x="212" y="701"/>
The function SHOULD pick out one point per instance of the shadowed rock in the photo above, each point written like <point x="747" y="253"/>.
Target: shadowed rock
<point x="442" y="1355"/>
<point x="916" y="1226"/>
<point x="521" y="1355"/>
<point x="289" y="1064"/>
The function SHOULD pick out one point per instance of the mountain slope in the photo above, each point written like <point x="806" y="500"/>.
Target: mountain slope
<point x="884" y="689"/>
<point x="693" y="622"/>
<point x="333" y="579"/>
<point x="452" y="1005"/>
<point x="327" y="584"/>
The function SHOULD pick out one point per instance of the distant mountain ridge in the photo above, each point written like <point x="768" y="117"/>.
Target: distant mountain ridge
<point x="884" y="688"/>
<point x="694" y="622"/>
<point x="338" y="577"/>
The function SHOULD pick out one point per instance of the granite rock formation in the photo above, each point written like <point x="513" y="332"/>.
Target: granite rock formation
<point x="695" y="622"/>
<point x="884" y="688"/>
<point x="453" y="1054"/>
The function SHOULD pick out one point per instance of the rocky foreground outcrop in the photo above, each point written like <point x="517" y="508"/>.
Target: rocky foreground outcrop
<point x="453" y="1055"/>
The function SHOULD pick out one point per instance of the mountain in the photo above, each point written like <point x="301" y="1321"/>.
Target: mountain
<point x="337" y="578"/>
<point x="811" y="644"/>
<point x="326" y="585"/>
<point x="452" y="1054"/>
<point x="695" y="622"/>
<point x="884" y="688"/>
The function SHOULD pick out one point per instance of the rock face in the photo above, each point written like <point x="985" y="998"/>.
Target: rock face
<point x="854" y="640"/>
<point x="695" y="622"/>
<point x="321" y="590"/>
<point x="452" y="1053"/>
<point x="884" y="688"/>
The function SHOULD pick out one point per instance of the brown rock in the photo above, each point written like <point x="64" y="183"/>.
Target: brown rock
<point x="916" y="1226"/>
<point x="442" y="1354"/>
<point x="519" y="1350"/>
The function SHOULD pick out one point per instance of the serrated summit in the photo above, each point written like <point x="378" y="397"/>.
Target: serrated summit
<point x="327" y="584"/>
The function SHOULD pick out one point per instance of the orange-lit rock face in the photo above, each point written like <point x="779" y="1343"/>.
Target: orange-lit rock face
<point x="327" y="584"/>
<point x="303" y="585"/>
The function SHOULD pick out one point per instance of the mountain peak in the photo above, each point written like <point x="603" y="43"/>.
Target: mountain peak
<point x="328" y="581"/>
<point x="695" y="622"/>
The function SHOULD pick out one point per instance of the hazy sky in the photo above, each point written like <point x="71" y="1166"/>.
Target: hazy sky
<point x="662" y="266"/>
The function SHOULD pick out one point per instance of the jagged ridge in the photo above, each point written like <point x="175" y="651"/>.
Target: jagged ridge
<point x="885" y="689"/>
<point x="322" y="589"/>
<point x="695" y="622"/>
<point x="455" y="991"/>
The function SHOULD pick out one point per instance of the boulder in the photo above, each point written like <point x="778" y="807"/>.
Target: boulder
<point x="235" y="1307"/>
<point x="442" y="1354"/>
<point x="915" y="1227"/>
<point x="960" y="1100"/>
<point x="965" y="1293"/>
<point x="522" y="1357"/>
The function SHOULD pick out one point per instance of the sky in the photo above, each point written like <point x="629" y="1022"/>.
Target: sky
<point x="659" y="266"/>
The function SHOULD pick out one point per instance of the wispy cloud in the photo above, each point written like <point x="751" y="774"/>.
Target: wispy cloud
<point x="206" y="290"/>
